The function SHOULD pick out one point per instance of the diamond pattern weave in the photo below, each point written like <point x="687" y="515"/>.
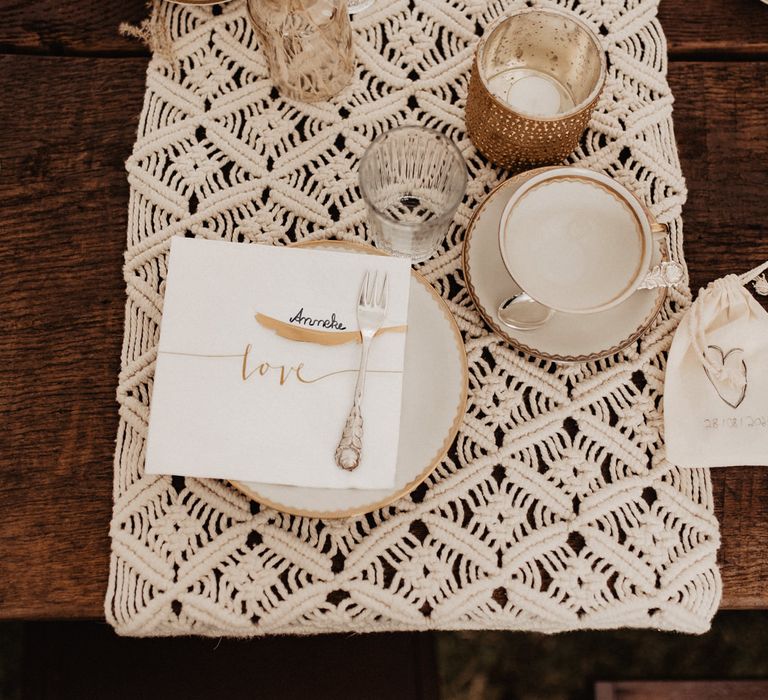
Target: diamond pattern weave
<point x="555" y="508"/>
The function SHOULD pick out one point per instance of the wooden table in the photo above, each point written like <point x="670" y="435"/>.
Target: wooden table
<point x="72" y="90"/>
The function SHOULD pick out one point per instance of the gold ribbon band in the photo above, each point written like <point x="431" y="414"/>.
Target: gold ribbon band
<point x="310" y="335"/>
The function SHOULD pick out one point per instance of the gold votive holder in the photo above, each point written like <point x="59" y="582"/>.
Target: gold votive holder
<point x="536" y="79"/>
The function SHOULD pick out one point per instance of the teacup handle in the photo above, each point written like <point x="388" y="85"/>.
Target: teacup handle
<point x="523" y="313"/>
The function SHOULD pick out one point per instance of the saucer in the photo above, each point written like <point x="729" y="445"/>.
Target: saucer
<point x="566" y="337"/>
<point x="433" y="406"/>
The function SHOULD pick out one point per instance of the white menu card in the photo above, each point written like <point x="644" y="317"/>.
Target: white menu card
<point x="257" y="362"/>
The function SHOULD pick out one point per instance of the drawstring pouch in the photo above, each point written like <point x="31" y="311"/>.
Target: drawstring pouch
<point x="716" y="384"/>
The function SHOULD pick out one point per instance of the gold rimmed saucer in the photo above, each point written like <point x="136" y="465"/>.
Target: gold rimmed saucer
<point x="433" y="406"/>
<point x="566" y="337"/>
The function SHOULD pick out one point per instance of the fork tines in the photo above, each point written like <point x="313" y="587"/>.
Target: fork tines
<point x="369" y="296"/>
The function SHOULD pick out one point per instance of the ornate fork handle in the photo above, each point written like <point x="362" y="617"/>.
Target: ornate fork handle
<point x="350" y="448"/>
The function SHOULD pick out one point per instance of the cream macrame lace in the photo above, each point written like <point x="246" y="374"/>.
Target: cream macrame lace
<point x="555" y="508"/>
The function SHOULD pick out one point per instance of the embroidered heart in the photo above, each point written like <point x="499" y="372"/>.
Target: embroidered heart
<point x="733" y="388"/>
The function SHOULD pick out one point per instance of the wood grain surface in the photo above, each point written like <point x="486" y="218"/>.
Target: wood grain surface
<point x="63" y="215"/>
<point x="70" y="27"/>
<point x="692" y="27"/>
<point x="681" y="690"/>
<point x="711" y="29"/>
<point x="73" y="90"/>
<point x="722" y="138"/>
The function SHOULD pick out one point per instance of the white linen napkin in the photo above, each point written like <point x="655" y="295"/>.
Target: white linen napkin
<point x="254" y="378"/>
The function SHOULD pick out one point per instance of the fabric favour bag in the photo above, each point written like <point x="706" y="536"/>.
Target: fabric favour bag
<point x="716" y="385"/>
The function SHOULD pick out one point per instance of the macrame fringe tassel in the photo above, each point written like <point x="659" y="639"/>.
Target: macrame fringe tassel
<point x="152" y="31"/>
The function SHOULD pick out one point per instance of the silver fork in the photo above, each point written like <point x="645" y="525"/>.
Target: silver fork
<point x="371" y="312"/>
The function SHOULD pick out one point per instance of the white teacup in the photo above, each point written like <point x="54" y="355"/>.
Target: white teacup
<point x="577" y="242"/>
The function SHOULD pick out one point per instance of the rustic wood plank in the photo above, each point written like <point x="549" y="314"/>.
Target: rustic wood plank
<point x="681" y="690"/>
<point x="707" y="27"/>
<point x="720" y="127"/>
<point x="63" y="200"/>
<point x="720" y="123"/>
<point x="741" y="505"/>
<point x="70" y="26"/>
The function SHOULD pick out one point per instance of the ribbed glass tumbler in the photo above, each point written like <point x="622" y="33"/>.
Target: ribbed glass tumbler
<point x="412" y="180"/>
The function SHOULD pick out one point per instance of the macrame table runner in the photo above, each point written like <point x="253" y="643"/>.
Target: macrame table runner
<point x="556" y="507"/>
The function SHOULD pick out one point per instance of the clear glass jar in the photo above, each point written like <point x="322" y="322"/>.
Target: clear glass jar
<point x="307" y="43"/>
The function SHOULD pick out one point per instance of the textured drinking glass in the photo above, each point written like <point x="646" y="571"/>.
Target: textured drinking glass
<point x="307" y="44"/>
<point x="412" y="180"/>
